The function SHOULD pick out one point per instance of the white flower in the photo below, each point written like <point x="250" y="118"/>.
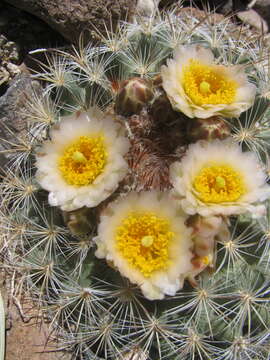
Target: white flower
<point x="83" y="162"/>
<point x="199" y="88"/>
<point x="217" y="178"/>
<point x="145" y="237"/>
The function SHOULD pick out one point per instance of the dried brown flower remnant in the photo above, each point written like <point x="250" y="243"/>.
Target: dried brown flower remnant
<point x="148" y="168"/>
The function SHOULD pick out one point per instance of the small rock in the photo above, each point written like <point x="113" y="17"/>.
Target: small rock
<point x="211" y="18"/>
<point x="252" y="18"/>
<point x="21" y="32"/>
<point x="72" y="18"/>
<point x="217" y="6"/>
<point x="13" y="69"/>
<point x="8" y="50"/>
<point x="9" y="54"/>
<point x="262" y="3"/>
<point x="4" y="75"/>
<point x="263" y="8"/>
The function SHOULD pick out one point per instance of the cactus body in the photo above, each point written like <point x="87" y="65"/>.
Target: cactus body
<point x="218" y="307"/>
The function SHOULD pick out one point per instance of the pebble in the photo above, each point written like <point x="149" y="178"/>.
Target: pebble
<point x="252" y="18"/>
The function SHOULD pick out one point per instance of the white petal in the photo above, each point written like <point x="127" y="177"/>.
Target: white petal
<point x="160" y="282"/>
<point x="71" y="197"/>
<point x="200" y="154"/>
<point x="172" y="80"/>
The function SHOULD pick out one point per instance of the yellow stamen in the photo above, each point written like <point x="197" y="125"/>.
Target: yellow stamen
<point x="204" y="87"/>
<point x="83" y="160"/>
<point x="143" y="239"/>
<point x="206" y="260"/>
<point x="219" y="183"/>
<point x="208" y="84"/>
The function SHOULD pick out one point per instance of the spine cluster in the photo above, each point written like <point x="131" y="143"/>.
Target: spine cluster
<point x="57" y="236"/>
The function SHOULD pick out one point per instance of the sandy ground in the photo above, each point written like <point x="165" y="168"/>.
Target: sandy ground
<point x="26" y="335"/>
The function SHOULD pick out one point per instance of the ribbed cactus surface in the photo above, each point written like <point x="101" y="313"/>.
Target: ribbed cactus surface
<point x="136" y="207"/>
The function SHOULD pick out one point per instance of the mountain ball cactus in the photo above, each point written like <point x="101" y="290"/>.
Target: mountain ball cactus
<point x="136" y="206"/>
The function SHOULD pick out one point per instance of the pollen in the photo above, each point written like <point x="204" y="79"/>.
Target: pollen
<point x="219" y="184"/>
<point x="144" y="239"/>
<point x="207" y="84"/>
<point x="83" y="160"/>
<point x="207" y="260"/>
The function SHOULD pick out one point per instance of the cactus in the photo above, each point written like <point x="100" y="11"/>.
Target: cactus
<point x="143" y="138"/>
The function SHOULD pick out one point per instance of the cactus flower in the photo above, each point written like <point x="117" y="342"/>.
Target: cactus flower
<point x="217" y="178"/>
<point x="146" y="239"/>
<point x="200" y="88"/>
<point x="83" y="162"/>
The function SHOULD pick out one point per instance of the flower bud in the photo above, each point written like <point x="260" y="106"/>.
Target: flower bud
<point x="207" y="129"/>
<point x="134" y="94"/>
<point x="161" y="108"/>
<point x="81" y="221"/>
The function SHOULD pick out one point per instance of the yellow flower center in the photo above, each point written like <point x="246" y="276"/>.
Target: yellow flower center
<point x="207" y="84"/>
<point x="219" y="183"/>
<point x="143" y="239"/>
<point x="83" y="160"/>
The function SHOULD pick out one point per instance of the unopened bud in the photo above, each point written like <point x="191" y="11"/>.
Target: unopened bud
<point x="207" y="129"/>
<point x="134" y="94"/>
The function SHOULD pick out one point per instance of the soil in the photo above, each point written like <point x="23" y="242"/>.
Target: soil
<point x="27" y="332"/>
